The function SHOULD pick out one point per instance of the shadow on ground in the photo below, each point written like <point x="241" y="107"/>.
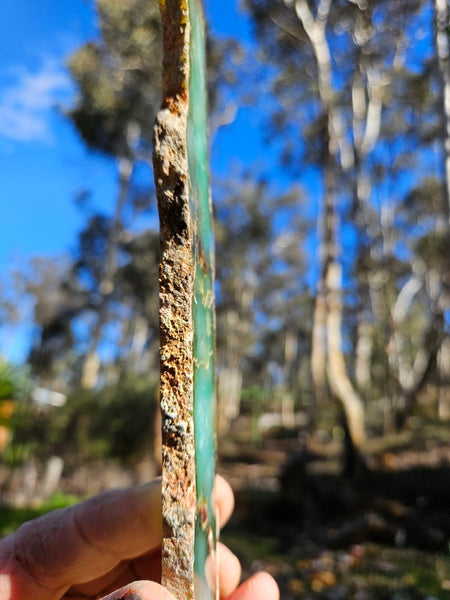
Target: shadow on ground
<point x="382" y="535"/>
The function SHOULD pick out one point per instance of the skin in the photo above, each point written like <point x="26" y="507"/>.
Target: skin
<point x="109" y="547"/>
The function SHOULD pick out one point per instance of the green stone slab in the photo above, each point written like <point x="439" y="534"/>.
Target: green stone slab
<point x="203" y="308"/>
<point x="186" y="307"/>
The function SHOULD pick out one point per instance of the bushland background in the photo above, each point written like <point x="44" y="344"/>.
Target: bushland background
<point x="330" y="154"/>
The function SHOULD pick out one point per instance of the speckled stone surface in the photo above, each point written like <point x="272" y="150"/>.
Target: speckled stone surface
<point x="186" y="305"/>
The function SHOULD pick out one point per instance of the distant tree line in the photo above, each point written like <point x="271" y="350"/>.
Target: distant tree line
<point x="334" y="291"/>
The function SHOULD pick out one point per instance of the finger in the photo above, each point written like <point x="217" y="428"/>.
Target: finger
<point x="81" y="543"/>
<point x="261" y="586"/>
<point x="148" y="566"/>
<point x="229" y="571"/>
<point x="224" y="498"/>
<point x="114" y="579"/>
<point x="141" y="590"/>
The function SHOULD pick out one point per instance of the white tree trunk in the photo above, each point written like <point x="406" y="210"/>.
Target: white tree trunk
<point x="442" y="46"/>
<point x="229" y="386"/>
<point x="363" y="362"/>
<point x="91" y="370"/>
<point x="443" y="364"/>
<point x="339" y="381"/>
<point x="229" y="376"/>
<point x="287" y="399"/>
<point x="319" y="349"/>
<point x="328" y="308"/>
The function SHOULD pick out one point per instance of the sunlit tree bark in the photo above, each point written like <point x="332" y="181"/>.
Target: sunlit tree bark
<point x="442" y="47"/>
<point x="337" y="157"/>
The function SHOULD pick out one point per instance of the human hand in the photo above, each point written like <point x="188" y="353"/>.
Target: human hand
<point x="107" y="545"/>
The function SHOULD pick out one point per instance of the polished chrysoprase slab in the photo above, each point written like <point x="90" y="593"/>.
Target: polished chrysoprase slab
<point x="203" y="307"/>
<point x="186" y="307"/>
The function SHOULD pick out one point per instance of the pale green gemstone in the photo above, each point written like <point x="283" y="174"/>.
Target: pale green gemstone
<point x="203" y="306"/>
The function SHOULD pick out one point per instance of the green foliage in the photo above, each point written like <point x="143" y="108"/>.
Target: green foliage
<point x="425" y="200"/>
<point x="124" y="417"/>
<point x="119" y="78"/>
<point x="433" y="247"/>
<point x="266" y="246"/>
<point x="15" y="382"/>
<point x="16" y="453"/>
<point x="11" y="517"/>
<point x="114" y="422"/>
<point x="255" y="398"/>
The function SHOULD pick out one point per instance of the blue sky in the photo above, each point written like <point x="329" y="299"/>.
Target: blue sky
<point x="43" y="162"/>
<point x="42" y="159"/>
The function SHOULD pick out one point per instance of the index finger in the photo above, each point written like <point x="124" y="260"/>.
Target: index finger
<point x="224" y="499"/>
<point x="77" y="544"/>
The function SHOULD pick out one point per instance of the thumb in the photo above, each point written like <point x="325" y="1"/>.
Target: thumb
<point x="141" y="590"/>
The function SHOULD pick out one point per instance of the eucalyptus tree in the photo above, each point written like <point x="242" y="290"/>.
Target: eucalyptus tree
<point x="406" y="281"/>
<point x="418" y="327"/>
<point x="56" y="299"/>
<point x="258" y="289"/>
<point x="302" y="38"/>
<point x="344" y="82"/>
<point x="114" y="271"/>
<point x="67" y="299"/>
<point x="119" y="83"/>
<point x="243" y="234"/>
<point x="442" y="16"/>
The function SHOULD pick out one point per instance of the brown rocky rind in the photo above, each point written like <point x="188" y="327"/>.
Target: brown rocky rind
<point x="176" y="295"/>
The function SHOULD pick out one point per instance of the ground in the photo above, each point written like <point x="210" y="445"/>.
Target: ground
<point x="383" y="534"/>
